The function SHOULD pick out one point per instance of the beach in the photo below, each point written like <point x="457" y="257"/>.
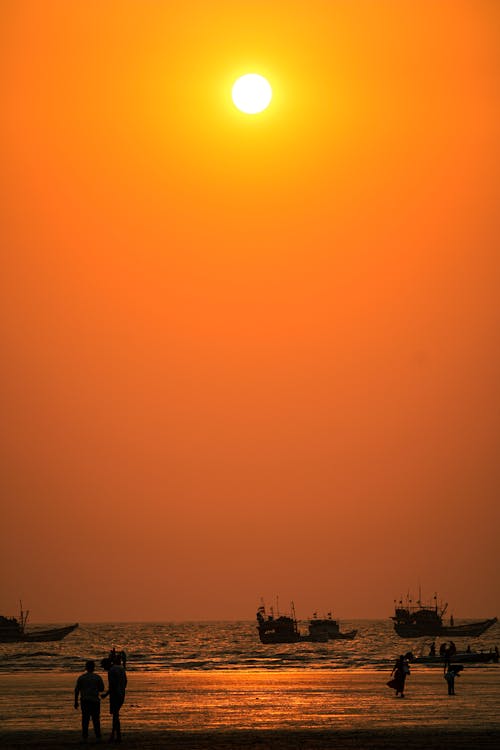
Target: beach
<point x="258" y="709"/>
<point x="271" y="740"/>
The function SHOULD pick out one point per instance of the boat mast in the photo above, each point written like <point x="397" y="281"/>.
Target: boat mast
<point x="23" y="615"/>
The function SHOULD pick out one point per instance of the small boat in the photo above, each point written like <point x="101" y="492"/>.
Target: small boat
<point x="13" y="630"/>
<point x="464" y="657"/>
<point x="417" y="620"/>
<point x="328" y="627"/>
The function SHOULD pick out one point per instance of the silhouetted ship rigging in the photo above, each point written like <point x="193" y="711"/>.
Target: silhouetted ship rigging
<point x="13" y="630"/>
<point x="284" y="628"/>
<point x="416" y="620"/>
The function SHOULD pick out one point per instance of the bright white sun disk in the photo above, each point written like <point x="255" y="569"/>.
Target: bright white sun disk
<point x="252" y="93"/>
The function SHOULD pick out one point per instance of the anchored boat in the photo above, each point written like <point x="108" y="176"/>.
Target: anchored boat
<point x="281" y="629"/>
<point x="416" y="620"/>
<point x="13" y="630"/>
<point x="326" y="628"/>
<point x="285" y="629"/>
<point x="464" y="657"/>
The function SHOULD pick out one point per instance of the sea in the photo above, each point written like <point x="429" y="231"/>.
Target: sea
<point x="209" y="646"/>
<point x="218" y="676"/>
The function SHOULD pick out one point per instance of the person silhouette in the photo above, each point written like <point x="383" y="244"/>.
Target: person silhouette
<point x="450" y="674"/>
<point x="117" y="683"/>
<point x="88" y="686"/>
<point x="399" y="673"/>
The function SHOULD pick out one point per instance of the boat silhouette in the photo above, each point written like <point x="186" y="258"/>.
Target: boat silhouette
<point x="413" y="620"/>
<point x="13" y="630"/>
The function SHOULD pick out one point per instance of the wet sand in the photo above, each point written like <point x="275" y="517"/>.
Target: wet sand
<point x="263" y="710"/>
<point x="421" y="739"/>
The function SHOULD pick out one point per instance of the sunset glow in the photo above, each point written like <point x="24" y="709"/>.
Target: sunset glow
<point x="249" y="355"/>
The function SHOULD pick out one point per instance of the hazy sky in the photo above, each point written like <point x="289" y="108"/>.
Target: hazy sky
<point x="249" y="356"/>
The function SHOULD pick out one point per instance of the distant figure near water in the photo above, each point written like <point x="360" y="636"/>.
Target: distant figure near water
<point x="117" y="683"/>
<point x="451" y="672"/>
<point x="399" y="674"/>
<point x="88" y="686"/>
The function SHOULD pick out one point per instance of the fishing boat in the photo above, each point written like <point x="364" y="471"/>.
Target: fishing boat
<point x="327" y="626"/>
<point x="13" y="630"/>
<point x="419" y="619"/>
<point x="280" y="629"/>
<point x="464" y="657"/>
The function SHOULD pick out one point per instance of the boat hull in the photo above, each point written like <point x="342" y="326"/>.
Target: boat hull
<point x="320" y="634"/>
<point x="348" y="636"/>
<point x="468" y="630"/>
<point x="464" y="658"/>
<point x="38" y="636"/>
<point x="271" y="637"/>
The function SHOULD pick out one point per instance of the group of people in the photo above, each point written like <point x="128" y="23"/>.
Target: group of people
<point x="446" y="650"/>
<point x="401" y="670"/>
<point x="89" y="690"/>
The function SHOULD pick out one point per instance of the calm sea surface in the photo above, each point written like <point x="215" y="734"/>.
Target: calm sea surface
<point x="210" y="646"/>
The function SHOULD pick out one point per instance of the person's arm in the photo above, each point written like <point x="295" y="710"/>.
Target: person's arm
<point x="105" y="695"/>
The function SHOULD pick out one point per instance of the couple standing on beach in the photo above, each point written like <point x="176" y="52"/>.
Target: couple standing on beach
<point x="89" y="685"/>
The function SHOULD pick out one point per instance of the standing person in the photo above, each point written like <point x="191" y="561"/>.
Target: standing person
<point x="88" y="686"/>
<point x="117" y="683"/>
<point x="399" y="673"/>
<point x="450" y="674"/>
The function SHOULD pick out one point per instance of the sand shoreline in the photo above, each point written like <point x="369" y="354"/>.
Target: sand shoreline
<point x="263" y="711"/>
<point x="444" y="739"/>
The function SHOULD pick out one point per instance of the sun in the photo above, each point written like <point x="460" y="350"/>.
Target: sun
<point x="252" y="93"/>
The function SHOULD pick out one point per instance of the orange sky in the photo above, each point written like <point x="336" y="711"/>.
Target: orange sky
<point x="248" y="356"/>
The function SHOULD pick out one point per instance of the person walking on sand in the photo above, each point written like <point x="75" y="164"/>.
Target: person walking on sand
<point x="117" y="683"/>
<point x="399" y="674"/>
<point x="88" y="686"/>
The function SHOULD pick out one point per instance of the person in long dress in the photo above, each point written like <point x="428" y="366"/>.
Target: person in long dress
<point x="399" y="674"/>
<point x="117" y="683"/>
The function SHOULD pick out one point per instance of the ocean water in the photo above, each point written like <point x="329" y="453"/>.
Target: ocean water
<point x="217" y="676"/>
<point x="212" y="646"/>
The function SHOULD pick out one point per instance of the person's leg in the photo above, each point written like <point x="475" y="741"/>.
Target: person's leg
<point x="116" y="728"/>
<point x="112" y="712"/>
<point x="96" y="719"/>
<point x="85" y="719"/>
